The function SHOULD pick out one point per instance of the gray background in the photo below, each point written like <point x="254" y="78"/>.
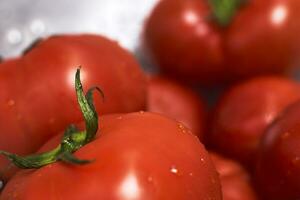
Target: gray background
<point x="22" y="21"/>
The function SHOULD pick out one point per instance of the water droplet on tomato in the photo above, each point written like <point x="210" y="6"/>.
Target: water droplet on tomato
<point x="51" y="120"/>
<point x="11" y="102"/>
<point x="142" y="112"/>
<point x="15" y="195"/>
<point x="182" y="128"/>
<point x="285" y="135"/>
<point x="174" y="170"/>
<point x="19" y="117"/>
<point x="213" y="181"/>
<point x="150" y="179"/>
<point x="296" y="160"/>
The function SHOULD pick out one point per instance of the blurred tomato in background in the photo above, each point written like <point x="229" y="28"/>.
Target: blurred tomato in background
<point x="179" y="102"/>
<point x="211" y="42"/>
<point x="246" y="50"/>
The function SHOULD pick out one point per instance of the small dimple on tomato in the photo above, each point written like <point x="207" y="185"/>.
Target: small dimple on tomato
<point x="245" y="111"/>
<point x="137" y="156"/>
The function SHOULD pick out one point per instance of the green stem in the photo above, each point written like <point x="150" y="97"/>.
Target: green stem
<point x="223" y="11"/>
<point x="33" y="161"/>
<point x="72" y="140"/>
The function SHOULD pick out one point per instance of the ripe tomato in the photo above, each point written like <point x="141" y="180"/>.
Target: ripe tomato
<point x="185" y="40"/>
<point x="37" y="98"/>
<point x="244" y="112"/>
<point x="278" y="169"/>
<point x="235" y="181"/>
<point x="171" y="99"/>
<point x="137" y="156"/>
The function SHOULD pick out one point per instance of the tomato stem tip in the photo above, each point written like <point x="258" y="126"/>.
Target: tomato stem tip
<point x="223" y="11"/>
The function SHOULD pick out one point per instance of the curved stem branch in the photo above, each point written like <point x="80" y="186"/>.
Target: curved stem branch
<point x="72" y="140"/>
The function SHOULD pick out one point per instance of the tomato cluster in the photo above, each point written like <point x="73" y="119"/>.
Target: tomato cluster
<point x="156" y="137"/>
<point x="132" y="155"/>
<point x="223" y="40"/>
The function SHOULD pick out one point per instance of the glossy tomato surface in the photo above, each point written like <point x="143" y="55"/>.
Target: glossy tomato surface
<point x="137" y="156"/>
<point x="185" y="41"/>
<point x="171" y="99"/>
<point x="278" y="169"/>
<point x="37" y="93"/>
<point x="235" y="180"/>
<point x="244" y="112"/>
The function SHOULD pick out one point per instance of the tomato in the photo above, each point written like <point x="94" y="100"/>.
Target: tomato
<point x="37" y="98"/>
<point x="171" y="99"/>
<point x="244" y="112"/>
<point x="235" y="181"/>
<point x="278" y="169"/>
<point x="184" y="39"/>
<point x="136" y="156"/>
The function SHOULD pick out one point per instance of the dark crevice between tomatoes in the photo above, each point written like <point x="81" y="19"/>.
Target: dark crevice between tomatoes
<point x="73" y="139"/>
<point x="223" y="11"/>
<point x="34" y="44"/>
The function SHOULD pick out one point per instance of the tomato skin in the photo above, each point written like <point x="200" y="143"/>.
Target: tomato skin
<point x="134" y="157"/>
<point x="40" y="93"/>
<point x="185" y="42"/>
<point x="235" y="181"/>
<point x="244" y="112"/>
<point x="174" y="100"/>
<point x="264" y="37"/>
<point x="181" y="45"/>
<point x="278" y="169"/>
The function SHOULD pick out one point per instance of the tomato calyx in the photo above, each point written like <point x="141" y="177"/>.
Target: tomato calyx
<point x="73" y="139"/>
<point x="223" y="11"/>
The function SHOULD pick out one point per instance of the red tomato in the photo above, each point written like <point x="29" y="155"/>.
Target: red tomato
<point x="235" y="181"/>
<point x="278" y="169"/>
<point x="244" y="112"/>
<point x="37" y="93"/>
<point x="171" y="99"/>
<point x="137" y="156"/>
<point x="186" y="42"/>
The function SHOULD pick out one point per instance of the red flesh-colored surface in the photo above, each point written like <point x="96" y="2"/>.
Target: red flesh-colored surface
<point x="137" y="156"/>
<point x="171" y="99"/>
<point x="245" y="111"/>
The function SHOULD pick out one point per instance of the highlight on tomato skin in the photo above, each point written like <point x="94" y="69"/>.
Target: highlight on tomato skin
<point x="172" y="99"/>
<point x="235" y="180"/>
<point x="277" y="172"/>
<point x="245" y="111"/>
<point x="37" y="98"/>
<point x="136" y="156"/>
<point x="185" y="40"/>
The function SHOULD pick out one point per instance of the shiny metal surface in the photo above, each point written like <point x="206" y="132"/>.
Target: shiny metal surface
<point x="22" y="21"/>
